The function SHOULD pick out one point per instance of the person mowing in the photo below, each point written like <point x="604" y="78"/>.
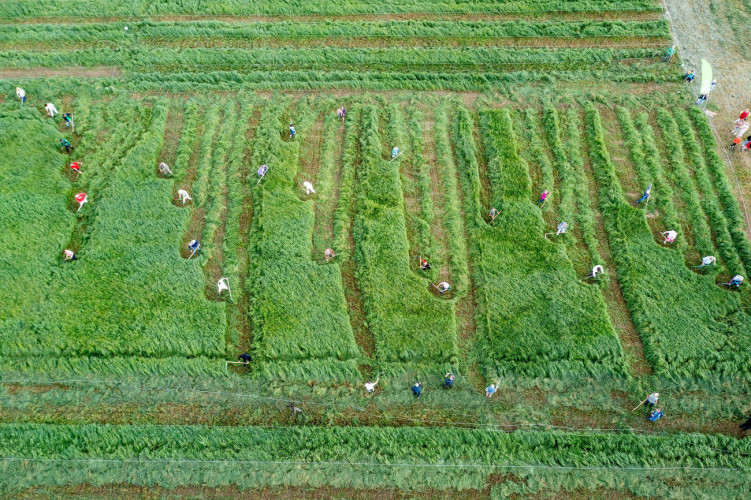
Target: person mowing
<point x="417" y="389"/>
<point x="646" y="195"/>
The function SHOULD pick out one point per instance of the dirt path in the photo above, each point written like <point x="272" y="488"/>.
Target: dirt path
<point x="702" y="32"/>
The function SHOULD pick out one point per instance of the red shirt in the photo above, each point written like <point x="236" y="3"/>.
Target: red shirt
<point x="75" y="166"/>
<point x="744" y="115"/>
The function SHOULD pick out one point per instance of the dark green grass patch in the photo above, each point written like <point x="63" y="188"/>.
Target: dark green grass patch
<point x="534" y="316"/>
<point x="688" y="324"/>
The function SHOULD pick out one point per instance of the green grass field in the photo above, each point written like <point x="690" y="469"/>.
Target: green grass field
<point x="113" y="368"/>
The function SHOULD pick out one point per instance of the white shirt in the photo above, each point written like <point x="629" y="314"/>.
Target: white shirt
<point x="596" y="270"/>
<point x="20" y="92"/>
<point x="370" y="386"/>
<point x="652" y="398"/>
<point x="308" y="187"/>
<point x="183" y="194"/>
<point x="709" y="259"/>
<point x="51" y="109"/>
<point x="670" y="235"/>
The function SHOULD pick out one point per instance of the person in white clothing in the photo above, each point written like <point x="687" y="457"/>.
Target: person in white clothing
<point x="740" y="127"/>
<point x="183" y="196"/>
<point x="652" y="399"/>
<point x="670" y="236"/>
<point x="443" y="287"/>
<point x="308" y="187"/>
<point x="370" y="386"/>
<point x="598" y="269"/>
<point x="51" y="109"/>
<point x="21" y="94"/>
<point x="709" y="260"/>
<point x="164" y="169"/>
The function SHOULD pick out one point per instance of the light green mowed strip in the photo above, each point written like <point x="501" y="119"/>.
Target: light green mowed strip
<point x="300" y="325"/>
<point x="34" y="222"/>
<point x="410" y="326"/>
<point x="364" y="457"/>
<point x="130" y="292"/>
<point x="534" y="315"/>
<point x="689" y="325"/>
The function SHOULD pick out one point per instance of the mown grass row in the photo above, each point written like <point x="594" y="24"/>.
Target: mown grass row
<point x="585" y="217"/>
<point x="300" y="326"/>
<point x="15" y="9"/>
<point x="133" y="293"/>
<point x="536" y="150"/>
<point x="695" y="217"/>
<point x="371" y="80"/>
<point x="424" y="219"/>
<point x="234" y="253"/>
<point x="709" y="201"/>
<point x="412" y="329"/>
<point x="144" y="31"/>
<point x="34" y="221"/>
<point x="534" y="316"/>
<point x="345" y="204"/>
<point x="457" y="248"/>
<point x="352" y="457"/>
<point x="716" y="167"/>
<point x="688" y="325"/>
<point x="202" y="59"/>
<point x="664" y="194"/>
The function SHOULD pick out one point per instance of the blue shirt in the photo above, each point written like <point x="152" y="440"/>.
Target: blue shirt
<point x="416" y="389"/>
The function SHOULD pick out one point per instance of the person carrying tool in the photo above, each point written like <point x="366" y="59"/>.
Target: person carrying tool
<point x="262" y="172"/>
<point x="370" y="386"/>
<point x="164" y="169"/>
<point x="417" y="389"/>
<point x="81" y="198"/>
<point x="193" y="247"/>
<point x="69" y="255"/>
<point x="669" y="54"/>
<point x="707" y="261"/>
<point x="562" y="228"/>
<point x="448" y="381"/>
<point x="543" y="197"/>
<point x="424" y="264"/>
<point x="443" y="287"/>
<point x="652" y="399"/>
<point x="183" y="196"/>
<point x="646" y="195"/>
<point x="670" y="236"/>
<point x="328" y="254"/>
<point x="294" y="409"/>
<point x="490" y="390"/>
<point x="395" y="152"/>
<point x="244" y="358"/>
<point x="598" y="269"/>
<point x="308" y="187"/>
<point x="493" y="214"/>
<point x="66" y="145"/>
<point x="51" y="109"/>
<point x="736" y="282"/>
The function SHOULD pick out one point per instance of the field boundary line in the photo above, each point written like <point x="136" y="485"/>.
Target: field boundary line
<point x="368" y="464"/>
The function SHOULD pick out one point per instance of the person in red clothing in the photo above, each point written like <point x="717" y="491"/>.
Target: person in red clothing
<point x="76" y="166"/>
<point x="744" y="114"/>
